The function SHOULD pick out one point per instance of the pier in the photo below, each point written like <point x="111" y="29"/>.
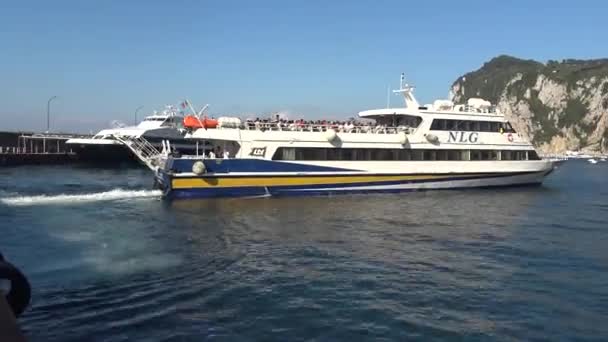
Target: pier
<point x="28" y="148"/>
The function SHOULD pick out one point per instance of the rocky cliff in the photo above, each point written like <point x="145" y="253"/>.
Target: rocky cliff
<point x="558" y="105"/>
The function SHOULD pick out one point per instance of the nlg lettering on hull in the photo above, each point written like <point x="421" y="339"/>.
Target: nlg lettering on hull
<point x="463" y="137"/>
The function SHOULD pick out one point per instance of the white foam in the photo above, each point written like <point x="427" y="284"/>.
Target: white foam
<point x="115" y="194"/>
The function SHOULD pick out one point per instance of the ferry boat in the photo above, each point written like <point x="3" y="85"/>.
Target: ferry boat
<point x="104" y="147"/>
<point x="438" y="146"/>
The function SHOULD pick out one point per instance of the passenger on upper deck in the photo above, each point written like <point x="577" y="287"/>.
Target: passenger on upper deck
<point x="380" y="126"/>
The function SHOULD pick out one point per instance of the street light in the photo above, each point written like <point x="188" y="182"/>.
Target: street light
<point x="137" y="110"/>
<point x="48" y="113"/>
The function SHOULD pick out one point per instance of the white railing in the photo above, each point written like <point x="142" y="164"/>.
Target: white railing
<point x="473" y="109"/>
<point x="338" y="128"/>
<point x="146" y="152"/>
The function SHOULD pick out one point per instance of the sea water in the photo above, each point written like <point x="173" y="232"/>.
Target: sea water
<point x="109" y="260"/>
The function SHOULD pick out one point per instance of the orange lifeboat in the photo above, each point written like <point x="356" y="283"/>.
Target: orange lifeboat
<point x="194" y="122"/>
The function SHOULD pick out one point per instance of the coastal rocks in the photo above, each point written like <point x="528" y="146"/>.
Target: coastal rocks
<point x="559" y="106"/>
<point x="551" y="93"/>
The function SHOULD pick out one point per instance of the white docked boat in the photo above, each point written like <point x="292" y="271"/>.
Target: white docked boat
<point x="437" y="146"/>
<point x="104" y="147"/>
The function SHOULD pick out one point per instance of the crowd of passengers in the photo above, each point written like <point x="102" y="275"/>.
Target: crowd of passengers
<point x="348" y="126"/>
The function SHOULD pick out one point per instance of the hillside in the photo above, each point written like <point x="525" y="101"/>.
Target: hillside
<point x="558" y="105"/>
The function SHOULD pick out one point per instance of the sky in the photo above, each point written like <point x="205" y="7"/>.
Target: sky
<point x="311" y="59"/>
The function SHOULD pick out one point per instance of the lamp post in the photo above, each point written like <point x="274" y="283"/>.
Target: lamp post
<point x="48" y="113"/>
<point x="137" y="110"/>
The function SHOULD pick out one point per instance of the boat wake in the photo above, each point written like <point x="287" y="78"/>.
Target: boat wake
<point x="115" y="194"/>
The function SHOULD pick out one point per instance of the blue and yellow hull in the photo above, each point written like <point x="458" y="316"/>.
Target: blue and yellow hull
<point x="234" y="178"/>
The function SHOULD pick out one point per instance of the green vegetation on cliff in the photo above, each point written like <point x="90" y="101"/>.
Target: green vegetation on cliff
<point x="570" y="107"/>
<point x="490" y="80"/>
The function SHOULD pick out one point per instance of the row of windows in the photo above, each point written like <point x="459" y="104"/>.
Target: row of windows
<point x="311" y="153"/>
<point x="470" y="125"/>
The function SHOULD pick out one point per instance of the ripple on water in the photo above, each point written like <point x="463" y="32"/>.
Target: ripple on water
<point x="508" y="264"/>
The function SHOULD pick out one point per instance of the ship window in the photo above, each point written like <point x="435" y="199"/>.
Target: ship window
<point x="409" y="120"/>
<point x="417" y="155"/>
<point x="346" y="154"/>
<point x="532" y="155"/>
<point x="286" y="153"/>
<point x="475" y="126"/>
<point x="520" y="155"/>
<point x="404" y="155"/>
<point x="454" y="155"/>
<point x="509" y="128"/>
<point x="382" y="154"/>
<point x="333" y="154"/>
<point x="454" y="125"/>
<point x="361" y="154"/>
<point x="469" y="125"/>
<point x="436" y="125"/>
<point x="429" y="155"/>
<point x="489" y="155"/>
<point x="309" y="153"/>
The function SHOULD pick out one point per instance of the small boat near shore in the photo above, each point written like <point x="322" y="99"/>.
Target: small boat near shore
<point x="104" y="147"/>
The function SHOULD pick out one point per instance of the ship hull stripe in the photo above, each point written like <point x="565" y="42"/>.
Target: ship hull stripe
<point x="256" y="186"/>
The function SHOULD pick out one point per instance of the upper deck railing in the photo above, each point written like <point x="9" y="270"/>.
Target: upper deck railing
<point x="315" y="127"/>
<point x="473" y="109"/>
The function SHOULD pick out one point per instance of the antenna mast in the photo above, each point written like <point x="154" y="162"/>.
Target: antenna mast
<point x="408" y="94"/>
<point x="203" y="110"/>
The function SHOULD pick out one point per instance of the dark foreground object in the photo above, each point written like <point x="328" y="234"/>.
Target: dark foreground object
<point x="9" y="330"/>
<point x="16" y="301"/>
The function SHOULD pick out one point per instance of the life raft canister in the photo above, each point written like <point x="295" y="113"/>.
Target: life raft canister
<point x="191" y="121"/>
